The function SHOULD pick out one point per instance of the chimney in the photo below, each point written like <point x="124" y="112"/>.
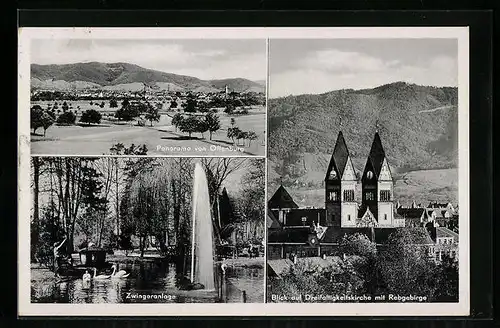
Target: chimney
<point x="295" y="259"/>
<point x="324" y="256"/>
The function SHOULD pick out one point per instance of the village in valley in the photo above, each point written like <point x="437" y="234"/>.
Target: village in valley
<point x="151" y="118"/>
<point x="361" y="246"/>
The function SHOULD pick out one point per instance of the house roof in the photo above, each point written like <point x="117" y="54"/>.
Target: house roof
<point x="411" y="213"/>
<point x="445" y="232"/>
<point x="437" y="205"/>
<point x="289" y="235"/>
<point x="281" y="199"/>
<point x="280" y="266"/>
<point x="376" y="156"/>
<point x="271" y="221"/>
<point x="339" y="157"/>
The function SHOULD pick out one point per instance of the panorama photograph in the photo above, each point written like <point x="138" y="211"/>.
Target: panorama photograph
<point x="191" y="97"/>
<point x="363" y="171"/>
<point x="147" y="230"/>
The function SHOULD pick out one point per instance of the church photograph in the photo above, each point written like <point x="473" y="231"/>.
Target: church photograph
<point x="362" y="172"/>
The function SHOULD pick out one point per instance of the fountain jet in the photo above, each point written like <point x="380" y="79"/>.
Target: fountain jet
<point x="202" y="251"/>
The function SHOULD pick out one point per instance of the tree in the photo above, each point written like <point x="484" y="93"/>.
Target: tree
<point x="217" y="170"/>
<point x="189" y="125"/>
<point x="127" y="113"/>
<point x="40" y="118"/>
<point x="152" y="114"/>
<point x="234" y="133"/>
<point x="91" y="116"/>
<point x="229" y="108"/>
<point x="120" y="149"/>
<point x="190" y="106"/>
<point x="102" y="104"/>
<point x="251" y="135"/>
<point x="65" y="106"/>
<point x="173" y="104"/>
<point x="66" y="118"/>
<point x="113" y="103"/>
<point x="447" y="280"/>
<point x="405" y="264"/>
<point x="251" y="196"/>
<point x="213" y="123"/>
<point x="177" y="120"/>
<point x="201" y="126"/>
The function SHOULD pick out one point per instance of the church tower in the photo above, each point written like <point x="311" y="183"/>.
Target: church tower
<point x="377" y="185"/>
<point x="340" y="185"/>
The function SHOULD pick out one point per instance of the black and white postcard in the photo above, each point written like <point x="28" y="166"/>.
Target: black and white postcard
<point x="364" y="171"/>
<point x="243" y="171"/>
<point x="152" y="97"/>
<point x="147" y="229"/>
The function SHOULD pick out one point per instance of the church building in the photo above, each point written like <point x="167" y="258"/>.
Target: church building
<point x="318" y="231"/>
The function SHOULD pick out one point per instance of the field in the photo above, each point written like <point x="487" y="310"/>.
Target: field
<point x="422" y="186"/>
<point x="160" y="139"/>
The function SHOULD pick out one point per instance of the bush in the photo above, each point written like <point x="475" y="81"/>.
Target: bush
<point x="91" y="116"/>
<point x="66" y="118"/>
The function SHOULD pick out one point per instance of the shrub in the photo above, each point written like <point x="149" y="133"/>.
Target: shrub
<point x="91" y="116"/>
<point x="66" y="118"/>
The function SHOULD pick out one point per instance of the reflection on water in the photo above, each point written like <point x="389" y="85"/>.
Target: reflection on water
<point x="250" y="280"/>
<point x="146" y="278"/>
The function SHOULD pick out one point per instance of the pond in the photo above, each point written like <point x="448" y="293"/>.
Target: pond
<point x="149" y="282"/>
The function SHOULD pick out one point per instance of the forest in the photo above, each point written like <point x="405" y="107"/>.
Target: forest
<point x="132" y="203"/>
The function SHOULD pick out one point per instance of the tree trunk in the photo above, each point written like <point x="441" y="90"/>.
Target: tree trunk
<point x="210" y="135"/>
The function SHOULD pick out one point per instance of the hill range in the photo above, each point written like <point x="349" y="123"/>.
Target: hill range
<point x="128" y="77"/>
<point x="418" y="126"/>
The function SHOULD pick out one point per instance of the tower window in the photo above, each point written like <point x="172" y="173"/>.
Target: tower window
<point x="369" y="195"/>
<point x="385" y="195"/>
<point x="348" y="217"/>
<point x="385" y="217"/>
<point x="348" y="195"/>
<point x="304" y="220"/>
<point x="332" y="196"/>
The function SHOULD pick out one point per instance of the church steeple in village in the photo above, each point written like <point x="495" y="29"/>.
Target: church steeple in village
<point x="377" y="184"/>
<point x="340" y="184"/>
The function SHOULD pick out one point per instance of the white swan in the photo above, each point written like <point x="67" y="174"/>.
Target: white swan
<point x="119" y="274"/>
<point x="86" y="276"/>
<point x="101" y="276"/>
<point x="223" y="267"/>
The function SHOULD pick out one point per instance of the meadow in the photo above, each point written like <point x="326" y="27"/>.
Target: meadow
<point x="161" y="138"/>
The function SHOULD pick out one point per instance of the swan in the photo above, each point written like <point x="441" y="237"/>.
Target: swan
<point x="101" y="276"/>
<point x="119" y="274"/>
<point x="223" y="267"/>
<point x="86" y="276"/>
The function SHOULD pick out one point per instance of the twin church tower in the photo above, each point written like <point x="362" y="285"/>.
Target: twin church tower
<point x="341" y="203"/>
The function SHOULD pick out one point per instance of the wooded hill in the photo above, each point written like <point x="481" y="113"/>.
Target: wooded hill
<point x="418" y="126"/>
<point x="95" y="75"/>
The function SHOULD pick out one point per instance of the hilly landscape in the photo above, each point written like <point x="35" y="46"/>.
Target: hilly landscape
<point x="418" y="126"/>
<point x="129" y="77"/>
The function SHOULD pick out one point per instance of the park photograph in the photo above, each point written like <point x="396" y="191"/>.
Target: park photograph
<point x="192" y="97"/>
<point x="147" y="230"/>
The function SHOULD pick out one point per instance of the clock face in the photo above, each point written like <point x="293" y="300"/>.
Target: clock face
<point x="333" y="174"/>
<point x="369" y="174"/>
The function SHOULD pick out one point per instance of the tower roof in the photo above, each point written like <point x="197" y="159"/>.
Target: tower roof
<point x="340" y="156"/>
<point x="377" y="155"/>
<point x="281" y="199"/>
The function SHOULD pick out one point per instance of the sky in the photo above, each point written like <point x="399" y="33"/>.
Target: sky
<point x="201" y="58"/>
<point x="313" y="66"/>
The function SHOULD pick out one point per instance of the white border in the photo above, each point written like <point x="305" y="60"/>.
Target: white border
<point x="26" y="308"/>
